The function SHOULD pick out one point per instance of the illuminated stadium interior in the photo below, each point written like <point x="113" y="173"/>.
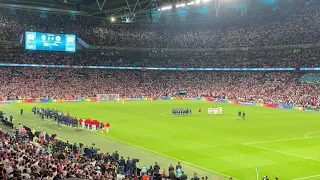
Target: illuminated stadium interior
<point x="160" y="89"/>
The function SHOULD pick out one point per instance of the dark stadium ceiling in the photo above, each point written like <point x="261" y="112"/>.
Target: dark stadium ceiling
<point x="114" y="8"/>
<point x="98" y="8"/>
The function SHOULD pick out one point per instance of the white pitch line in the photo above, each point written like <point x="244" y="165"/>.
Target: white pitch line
<point x="292" y="139"/>
<point x="306" y="177"/>
<point x="199" y="167"/>
<point x="304" y="157"/>
<point x="306" y="135"/>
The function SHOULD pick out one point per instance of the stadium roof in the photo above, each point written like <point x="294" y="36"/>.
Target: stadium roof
<point x="133" y="9"/>
<point x="98" y="8"/>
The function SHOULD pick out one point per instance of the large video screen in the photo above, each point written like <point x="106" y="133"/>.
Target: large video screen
<point x="50" y="42"/>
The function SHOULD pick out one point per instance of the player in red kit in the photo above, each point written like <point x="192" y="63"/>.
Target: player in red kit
<point x="80" y="121"/>
<point x="90" y="123"/>
<point x="97" y="123"/>
<point x="107" y="127"/>
<point x="87" y="123"/>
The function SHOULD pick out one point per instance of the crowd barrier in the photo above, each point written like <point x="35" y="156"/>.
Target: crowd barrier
<point x="281" y="106"/>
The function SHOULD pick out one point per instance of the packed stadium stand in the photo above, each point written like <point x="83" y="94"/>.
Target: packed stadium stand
<point x="253" y="86"/>
<point x="296" y="28"/>
<point x="310" y="78"/>
<point x="127" y="46"/>
<point x="267" y="87"/>
<point x="160" y="59"/>
<point x="24" y="158"/>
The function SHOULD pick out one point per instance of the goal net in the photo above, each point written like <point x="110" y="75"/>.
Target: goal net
<point x="108" y="97"/>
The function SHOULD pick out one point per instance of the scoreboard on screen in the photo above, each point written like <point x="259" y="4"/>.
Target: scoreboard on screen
<point x="50" y="42"/>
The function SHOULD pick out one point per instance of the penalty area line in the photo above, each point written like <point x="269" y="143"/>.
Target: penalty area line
<point x="280" y="140"/>
<point x="154" y="152"/>
<point x="282" y="152"/>
<point x="308" y="177"/>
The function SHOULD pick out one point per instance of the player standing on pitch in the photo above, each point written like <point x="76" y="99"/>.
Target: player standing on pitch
<point x="243" y="115"/>
<point x="107" y="127"/>
<point x="239" y="114"/>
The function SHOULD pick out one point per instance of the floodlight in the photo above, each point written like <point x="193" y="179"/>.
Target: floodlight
<point x="180" y="5"/>
<point x="166" y="8"/>
<point x="197" y="1"/>
<point x="190" y="3"/>
<point x="113" y="19"/>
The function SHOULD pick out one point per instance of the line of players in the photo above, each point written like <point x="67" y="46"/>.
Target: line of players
<point x="68" y="120"/>
<point x="181" y="111"/>
<point x="215" y="110"/>
<point x="94" y="125"/>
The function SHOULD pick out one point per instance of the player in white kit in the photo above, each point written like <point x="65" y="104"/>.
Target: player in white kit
<point x="215" y="110"/>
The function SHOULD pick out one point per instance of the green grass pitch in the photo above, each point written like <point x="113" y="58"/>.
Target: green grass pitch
<point x="281" y="143"/>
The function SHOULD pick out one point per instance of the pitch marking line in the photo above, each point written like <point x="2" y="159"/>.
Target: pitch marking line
<point x="306" y="135"/>
<point x="185" y="162"/>
<point x="282" y="152"/>
<point x="280" y="140"/>
<point x="306" y="177"/>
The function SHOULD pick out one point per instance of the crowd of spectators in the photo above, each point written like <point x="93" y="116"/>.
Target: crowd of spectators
<point x="261" y="59"/>
<point x="34" y="154"/>
<point x="28" y="154"/>
<point x="39" y="156"/>
<point x="266" y="87"/>
<point x="299" y="27"/>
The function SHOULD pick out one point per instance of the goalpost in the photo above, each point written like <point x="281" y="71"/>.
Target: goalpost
<point x="108" y="97"/>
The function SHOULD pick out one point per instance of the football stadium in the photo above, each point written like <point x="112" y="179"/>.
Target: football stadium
<point x="160" y="89"/>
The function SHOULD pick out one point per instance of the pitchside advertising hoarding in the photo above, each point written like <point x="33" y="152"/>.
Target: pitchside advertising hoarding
<point x="50" y="42"/>
<point x="210" y="99"/>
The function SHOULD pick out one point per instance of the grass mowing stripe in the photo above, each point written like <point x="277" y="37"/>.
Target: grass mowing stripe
<point x="213" y="142"/>
<point x="95" y="133"/>
<point x="285" y="153"/>
<point x="209" y="170"/>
